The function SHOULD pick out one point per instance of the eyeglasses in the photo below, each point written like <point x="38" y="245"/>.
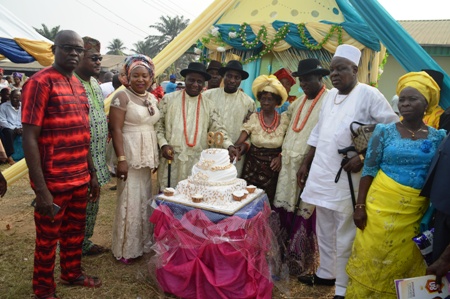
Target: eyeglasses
<point x="96" y="58"/>
<point x="68" y="48"/>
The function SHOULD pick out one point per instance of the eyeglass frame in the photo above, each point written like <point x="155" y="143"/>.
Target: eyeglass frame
<point x="96" y="58"/>
<point x="69" y="48"/>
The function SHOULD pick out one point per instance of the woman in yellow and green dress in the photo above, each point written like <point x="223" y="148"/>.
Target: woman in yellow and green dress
<point x="389" y="208"/>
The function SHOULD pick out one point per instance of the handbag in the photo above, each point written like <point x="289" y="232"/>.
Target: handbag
<point x="361" y="135"/>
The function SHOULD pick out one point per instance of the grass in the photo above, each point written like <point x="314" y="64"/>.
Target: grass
<point x="119" y="281"/>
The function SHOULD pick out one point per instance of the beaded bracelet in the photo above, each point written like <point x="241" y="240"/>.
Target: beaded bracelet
<point x="360" y="206"/>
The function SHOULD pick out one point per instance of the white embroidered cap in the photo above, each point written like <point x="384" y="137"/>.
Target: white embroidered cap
<point x="349" y="52"/>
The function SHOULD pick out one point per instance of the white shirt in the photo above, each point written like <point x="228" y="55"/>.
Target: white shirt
<point x="107" y="89"/>
<point x="10" y="117"/>
<point x="365" y="104"/>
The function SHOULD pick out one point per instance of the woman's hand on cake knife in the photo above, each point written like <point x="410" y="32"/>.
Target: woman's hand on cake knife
<point x="167" y="152"/>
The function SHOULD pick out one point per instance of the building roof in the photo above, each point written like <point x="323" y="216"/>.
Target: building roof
<point x="429" y="33"/>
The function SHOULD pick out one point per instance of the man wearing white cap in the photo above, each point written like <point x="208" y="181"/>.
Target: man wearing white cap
<point x="348" y="101"/>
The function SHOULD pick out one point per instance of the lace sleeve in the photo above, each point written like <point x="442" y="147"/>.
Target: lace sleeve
<point x="249" y="125"/>
<point x="120" y="101"/>
<point x="375" y="150"/>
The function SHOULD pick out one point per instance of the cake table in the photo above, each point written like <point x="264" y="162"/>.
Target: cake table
<point x="204" y="254"/>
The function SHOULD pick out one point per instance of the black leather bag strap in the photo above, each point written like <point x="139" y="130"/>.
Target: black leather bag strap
<point x="351" y="127"/>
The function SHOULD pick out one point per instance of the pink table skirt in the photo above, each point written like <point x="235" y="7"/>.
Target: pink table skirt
<point x="197" y="258"/>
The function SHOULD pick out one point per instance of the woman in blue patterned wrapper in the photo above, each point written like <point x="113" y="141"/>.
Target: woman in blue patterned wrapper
<point x="389" y="208"/>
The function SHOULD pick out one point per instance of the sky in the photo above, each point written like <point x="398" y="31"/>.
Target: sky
<point x="129" y="20"/>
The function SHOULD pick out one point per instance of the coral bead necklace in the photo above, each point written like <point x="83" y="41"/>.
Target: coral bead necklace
<point x="305" y="119"/>
<point x="268" y="128"/>
<point x="197" y="116"/>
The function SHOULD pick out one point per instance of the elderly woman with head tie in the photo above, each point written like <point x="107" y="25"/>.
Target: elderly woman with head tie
<point x="132" y="117"/>
<point x="389" y="208"/>
<point x="266" y="130"/>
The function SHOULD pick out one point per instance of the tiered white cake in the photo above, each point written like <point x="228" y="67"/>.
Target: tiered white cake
<point x="213" y="177"/>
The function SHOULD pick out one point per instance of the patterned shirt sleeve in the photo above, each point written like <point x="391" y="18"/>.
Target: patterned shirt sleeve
<point x="35" y="95"/>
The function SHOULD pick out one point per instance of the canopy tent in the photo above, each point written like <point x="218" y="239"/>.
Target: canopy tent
<point x="280" y="33"/>
<point x="411" y="56"/>
<point x="20" y="43"/>
<point x="251" y="31"/>
<point x="163" y="60"/>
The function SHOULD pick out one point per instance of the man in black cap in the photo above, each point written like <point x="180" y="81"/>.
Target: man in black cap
<point x="182" y="131"/>
<point x="232" y="104"/>
<point x="213" y="70"/>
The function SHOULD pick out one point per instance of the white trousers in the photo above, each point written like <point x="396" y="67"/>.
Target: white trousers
<point x="335" y="234"/>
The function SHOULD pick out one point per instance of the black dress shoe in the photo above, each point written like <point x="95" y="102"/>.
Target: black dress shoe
<point x="312" y="280"/>
<point x="338" y="297"/>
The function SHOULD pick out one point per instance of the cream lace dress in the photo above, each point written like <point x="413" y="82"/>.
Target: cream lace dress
<point x="131" y="228"/>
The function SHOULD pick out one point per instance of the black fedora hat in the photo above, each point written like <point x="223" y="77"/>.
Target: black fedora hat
<point x="196" y="67"/>
<point x="436" y="75"/>
<point x="214" y="65"/>
<point x="233" y="65"/>
<point x="310" y="66"/>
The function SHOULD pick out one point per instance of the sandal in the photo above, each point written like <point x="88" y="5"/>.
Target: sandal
<point x="96" y="250"/>
<point x="84" y="281"/>
<point x="126" y="261"/>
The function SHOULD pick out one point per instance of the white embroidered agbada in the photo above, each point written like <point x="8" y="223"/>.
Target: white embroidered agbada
<point x="365" y="104"/>
<point x="294" y="150"/>
<point x="170" y="130"/>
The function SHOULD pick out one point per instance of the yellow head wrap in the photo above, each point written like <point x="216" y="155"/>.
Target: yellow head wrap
<point x="425" y="84"/>
<point x="270" y="84"/>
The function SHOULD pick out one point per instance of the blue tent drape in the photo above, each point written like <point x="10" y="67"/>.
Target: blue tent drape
<point x="11" y="50"/>
<point x="411" y="56"/>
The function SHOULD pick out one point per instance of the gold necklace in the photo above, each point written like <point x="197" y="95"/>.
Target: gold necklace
<point x="345" y="96"/>
<point x="413" y="133"/>
<point x="138" y="94"/>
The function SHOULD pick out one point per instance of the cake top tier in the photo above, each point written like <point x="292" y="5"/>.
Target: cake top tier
<point x="214" y="159"/>
<point x="214" y="167"/>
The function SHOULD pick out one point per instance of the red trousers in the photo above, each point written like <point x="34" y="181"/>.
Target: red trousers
<point x="67" y="228"/>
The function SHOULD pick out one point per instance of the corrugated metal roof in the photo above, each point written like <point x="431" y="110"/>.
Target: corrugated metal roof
<point x="429" y="32"/>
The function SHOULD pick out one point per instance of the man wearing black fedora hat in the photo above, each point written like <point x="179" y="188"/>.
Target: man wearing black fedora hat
<point x="213" y="70"/>
<point x="232" y="104"/>
<point x="186" y="118"/>
<point x="303" y="114"/>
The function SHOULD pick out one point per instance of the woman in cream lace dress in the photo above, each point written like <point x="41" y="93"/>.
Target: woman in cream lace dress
<point x="132" y="117"/>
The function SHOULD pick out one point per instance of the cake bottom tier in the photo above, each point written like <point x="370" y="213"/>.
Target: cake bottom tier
<point x="211" y="194"/>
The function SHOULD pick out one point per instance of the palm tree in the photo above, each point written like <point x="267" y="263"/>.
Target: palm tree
<point x="168" y="28"/>
<point x="146" y="47"/>
<point x="48" y="33"/>
<point x="116" y="47"/>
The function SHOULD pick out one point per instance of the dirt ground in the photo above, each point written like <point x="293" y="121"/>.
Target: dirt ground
<point x="119" y="281"/>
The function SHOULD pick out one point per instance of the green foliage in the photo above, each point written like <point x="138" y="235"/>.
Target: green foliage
<point x="116" y="47"/>
<point x="48" y="33"/>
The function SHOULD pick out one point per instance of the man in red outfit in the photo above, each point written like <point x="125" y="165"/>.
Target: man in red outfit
<point x="56" y="137"/>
